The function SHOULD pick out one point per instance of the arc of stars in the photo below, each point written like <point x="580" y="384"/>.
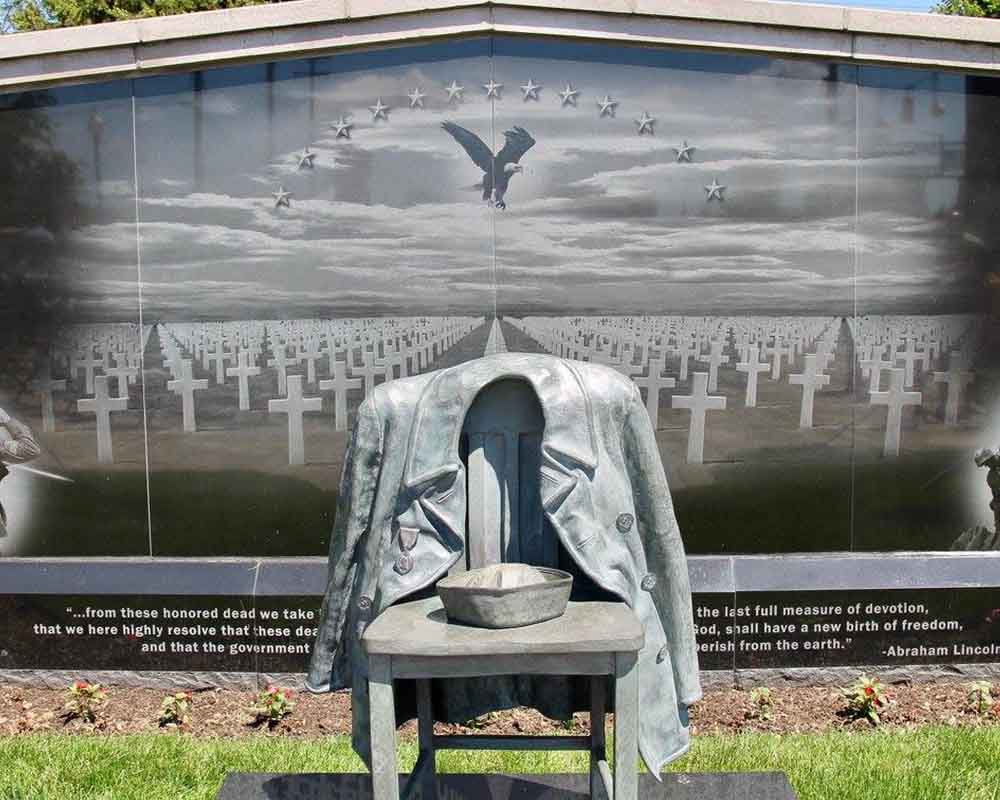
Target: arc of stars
<point x="493" y="89"/>
<point x="569" y="95"/>
<point x="531" y="90"/>
<point x="607" y="107"/>
<point x="715" y="189"/>
<point x="454" y="91"/>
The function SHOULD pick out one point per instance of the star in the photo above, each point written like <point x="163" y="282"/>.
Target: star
<point x="645" y="123"/>
<point x="607" y="106"/>
<point x="715" y="190"/>
<point x="684" y="151"/>
<point x="531" y="90"/>
<point x="493" y="89"/>
<point x="306" y="159"/>
<point x="343" y="127"/>
<point x="568" y="95"/>
<point x="416" y="98"/>
<point x="379" y="111"/>
<point x="454" y="91"/>
<point x="281" y="197"/>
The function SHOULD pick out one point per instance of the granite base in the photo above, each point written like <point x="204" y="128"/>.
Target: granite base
<point x="355" y="786"/>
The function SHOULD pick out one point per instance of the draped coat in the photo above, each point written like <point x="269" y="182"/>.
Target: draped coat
<point x="603" y="492"/>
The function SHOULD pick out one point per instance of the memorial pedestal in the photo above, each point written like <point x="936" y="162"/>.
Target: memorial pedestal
<point x="576" y="786"/>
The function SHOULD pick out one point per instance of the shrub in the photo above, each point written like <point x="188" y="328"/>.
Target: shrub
<point x="866" y="697"/>
<point x="175" y="709"/>
<point x="980" y="697"/>
<point x="83" y="699"/>
<point x="761" y="703"/>
<point x="272" y="704"/>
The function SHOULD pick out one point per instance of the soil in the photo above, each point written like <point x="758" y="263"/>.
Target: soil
<point x="225" y="713"/>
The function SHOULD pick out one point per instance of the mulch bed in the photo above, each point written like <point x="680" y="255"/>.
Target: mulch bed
<point x="225" y="713"/>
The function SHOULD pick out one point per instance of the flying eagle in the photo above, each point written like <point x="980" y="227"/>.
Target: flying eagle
<point x="497" y="169"/>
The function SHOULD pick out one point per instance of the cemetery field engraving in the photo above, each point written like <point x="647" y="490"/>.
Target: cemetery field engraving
<point x="834" y="412"/>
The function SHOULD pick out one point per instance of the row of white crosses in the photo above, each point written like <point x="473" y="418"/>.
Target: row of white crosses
<point x="897" y="344"/>
<point x="387" y="348"/>
<point x="640" y="347"/>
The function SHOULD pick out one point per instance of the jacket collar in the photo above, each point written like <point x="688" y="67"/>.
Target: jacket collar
<point x="433" y="462"/>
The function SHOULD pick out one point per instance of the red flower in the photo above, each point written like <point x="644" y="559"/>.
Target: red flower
<point x="80" y="685"/>
<point x="869" y="691"/>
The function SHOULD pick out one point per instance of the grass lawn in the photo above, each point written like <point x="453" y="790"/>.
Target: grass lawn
<point x="947" y="763"/>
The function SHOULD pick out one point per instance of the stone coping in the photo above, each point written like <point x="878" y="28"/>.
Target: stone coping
<point x="305" y="28"/>
<point x="275" y="577"/>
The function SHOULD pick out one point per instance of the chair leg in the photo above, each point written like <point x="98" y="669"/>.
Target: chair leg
<point x="385" y="772"/>
<point x="626" y="727"/>
<point x="600" y="774"/>
<point x="426" y="768"/>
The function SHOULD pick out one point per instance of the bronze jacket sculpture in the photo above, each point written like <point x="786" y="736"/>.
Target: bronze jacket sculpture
<point x="604" y="493"/>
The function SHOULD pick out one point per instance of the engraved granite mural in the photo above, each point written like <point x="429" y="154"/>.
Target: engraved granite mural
<point x="209" y="272"/>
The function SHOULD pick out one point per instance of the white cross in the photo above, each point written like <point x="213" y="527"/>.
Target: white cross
<point x="218" y="356"/>
<point x="339" y="384"/>
<point x="698" y="402"/>
<point x="368" y="371"/>
<point x="88" y="363"/>
<point x="957" y="378"/>
<point x="894" y="399"/>
<point x="908" y="357"/>
<point x="243" y="371"/>
<point x="777" y="351"/>
<point x="186" y="386"/>
<point x="875" y="365"/>
<point x="310" y="353"/>
<point x="294" y="405"/>
<point x="714" y="359"/>
<point x="122" y="376"/>
<point x="102" y="404"/>
<point x="753" y="366"/>
<point x="810" y="379"/>
<point x="45" y="386"/>
<point x="686" y="350"/>
<point x="281" y="362"/>
<point x="653" y="383"/>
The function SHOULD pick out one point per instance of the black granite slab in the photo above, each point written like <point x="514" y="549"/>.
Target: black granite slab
<point x="357" y="786"/>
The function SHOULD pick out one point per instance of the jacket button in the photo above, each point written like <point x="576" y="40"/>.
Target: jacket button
<point x="648" y="582"/>
<point x="404" y="564"/>
<point x="624" y="523"/>
<point x="365" y="603"/>
<point x="662" y="655"/>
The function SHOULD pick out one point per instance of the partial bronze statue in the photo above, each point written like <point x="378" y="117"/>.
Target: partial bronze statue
<point x="16" y="447"/>
<point x="980" y="537"/>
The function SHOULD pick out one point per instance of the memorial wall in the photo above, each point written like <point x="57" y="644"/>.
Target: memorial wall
<point x="205" y="273"/>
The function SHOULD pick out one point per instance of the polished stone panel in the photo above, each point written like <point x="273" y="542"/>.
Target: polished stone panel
<point x="675" y="786"/>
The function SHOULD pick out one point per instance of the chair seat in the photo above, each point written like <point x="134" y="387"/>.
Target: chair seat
<point x="421" y="628"/>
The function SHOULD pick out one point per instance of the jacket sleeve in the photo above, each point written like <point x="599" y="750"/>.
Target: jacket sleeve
<point x="663" y="547"/>
<point x="358" y="484"/>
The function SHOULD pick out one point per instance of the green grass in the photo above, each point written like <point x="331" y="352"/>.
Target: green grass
<point x="931" y="763"/>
